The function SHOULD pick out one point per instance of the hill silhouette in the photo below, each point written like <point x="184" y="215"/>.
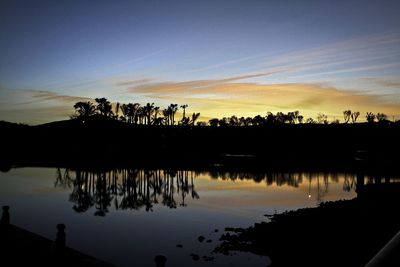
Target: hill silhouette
<point x="100" y="140"/>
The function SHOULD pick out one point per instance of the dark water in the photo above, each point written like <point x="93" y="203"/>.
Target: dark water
<point x="126" y="217"/>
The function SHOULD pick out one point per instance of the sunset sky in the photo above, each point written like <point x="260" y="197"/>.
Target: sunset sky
<point x="221" y="57"/>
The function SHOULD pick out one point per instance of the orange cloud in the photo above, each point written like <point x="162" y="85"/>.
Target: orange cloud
<point x="218" y="98"/>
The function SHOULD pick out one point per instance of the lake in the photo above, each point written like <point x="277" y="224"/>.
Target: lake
<point x="128" y="216"/>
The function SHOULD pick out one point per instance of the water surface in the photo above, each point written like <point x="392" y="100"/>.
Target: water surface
<point x="128" y="216"/>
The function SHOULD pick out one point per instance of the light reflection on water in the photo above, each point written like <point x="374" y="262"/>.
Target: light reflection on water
<point x="127" y="216"/>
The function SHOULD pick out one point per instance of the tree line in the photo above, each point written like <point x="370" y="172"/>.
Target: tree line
<point x="149" y="114"/>
<point x="134" y="113"/>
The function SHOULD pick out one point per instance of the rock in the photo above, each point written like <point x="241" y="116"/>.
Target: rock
<point x="195" y="257"/>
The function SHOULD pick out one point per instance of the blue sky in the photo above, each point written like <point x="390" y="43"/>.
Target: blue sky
<point x="220" y="57"/>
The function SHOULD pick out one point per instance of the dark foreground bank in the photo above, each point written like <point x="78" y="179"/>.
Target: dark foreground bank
<point x="20" y="247"/>
<point x="109" y="142"/>
<point x="341" y="233"/>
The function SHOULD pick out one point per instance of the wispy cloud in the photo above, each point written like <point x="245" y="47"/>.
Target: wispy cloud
<point x="191" y="87"/>
<point x="390" y="83"/>
<point x="40" y="96"/>
<point x="228" y="63"/>
<point x="365" y="47"/>
<point x="134" y="82"/>
<point x="36" y="106"/>
<point x="352" y="58"/>
<point x="355" y="69"/>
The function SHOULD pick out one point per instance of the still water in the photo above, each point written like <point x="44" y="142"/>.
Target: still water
<point x="128" y="216"/>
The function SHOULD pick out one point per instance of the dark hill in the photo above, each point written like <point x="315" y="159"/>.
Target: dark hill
<point x="106" y="141"/>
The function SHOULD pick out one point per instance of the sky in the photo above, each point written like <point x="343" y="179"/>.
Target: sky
<point x="221" y="57"/>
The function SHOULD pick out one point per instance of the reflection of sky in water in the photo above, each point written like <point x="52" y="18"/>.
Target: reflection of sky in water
<point x="128" y="237"/>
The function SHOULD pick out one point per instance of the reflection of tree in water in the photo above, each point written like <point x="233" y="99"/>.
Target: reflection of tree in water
<point x="321" y="180"/>
<point x="126" y="188"/>
<point x="142" y="189"/>
<point x="62" y="180"/>
<point x="278" y="178"/>
<point x="349" y="182"/>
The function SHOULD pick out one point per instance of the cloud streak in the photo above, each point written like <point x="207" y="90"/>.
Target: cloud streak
<point x="357" y="56"/>
<point x="36" y="106"/>
<point x="390" y="83"/>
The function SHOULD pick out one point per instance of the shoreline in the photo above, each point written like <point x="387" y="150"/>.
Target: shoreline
<point x="339" y="233"/>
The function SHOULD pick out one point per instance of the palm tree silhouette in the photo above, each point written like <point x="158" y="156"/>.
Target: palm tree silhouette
<point x="156" y="111"/>
<point x="184" y="110"/>
<point x="173" y="109"/>
<point x="84" y="109"/>
<point x="125" y="112"/>
<point x="104" y="106"/>
<point x="166" y="113"/>
<point x="148" y="110"/>
<point x="195" y="116"/>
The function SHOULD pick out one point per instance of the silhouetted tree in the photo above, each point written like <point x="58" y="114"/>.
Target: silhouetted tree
<point x="130" y="111"/>
<point x="258" y="120"/>
<point x="195" y="116"/>
<point x="156" y="111"/>
<point x="270" y="118"/>
<point x="213" y="122"/>
<point x="322" y="118"/>
<point x="84" y="109"/>
<point x="370" y="117"/>
<point x="173" y="109"/>
<point x="134" y="111"/>
<point x="184" y="110"/>
<point x="125" y="112"/>
<point x="167" y="115"/>
<point x="117" y="106"/>
<point x="140" y="115"/>
<point x="346" y="115"/>
<point x="280" y="117"/>
<point x="147" y="112"/>
<point x="300" y="118"/>
<point x="310" y="121"/>
<point x="381" y="117"/>
<point x="185" y="121"/>
<point x="354" y="116"/>
<point x="233" y="121"/>
<point x="104" y="106"/>
<point x="223" y="122"/>
<point x="291" y="117"/>
<point x="245" y="121"/>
